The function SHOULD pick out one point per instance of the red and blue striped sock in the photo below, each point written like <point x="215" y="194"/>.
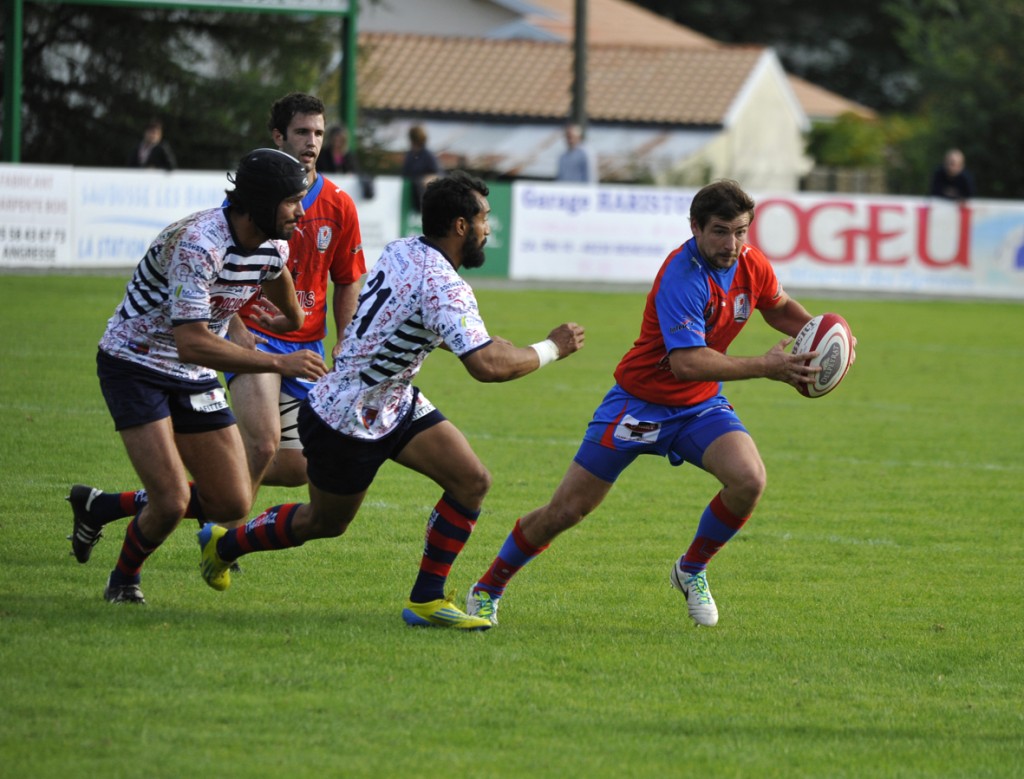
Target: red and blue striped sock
<point x="515" y="553"/>
<point x="269" y="531"/>
<point x="111" y="506"/>
<point x="448" y="529"/>
<point x="135" y="550"/>
<point x="717" y="525"/>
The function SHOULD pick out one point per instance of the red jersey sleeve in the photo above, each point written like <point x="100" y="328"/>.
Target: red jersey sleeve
<point x="326" y="247"/>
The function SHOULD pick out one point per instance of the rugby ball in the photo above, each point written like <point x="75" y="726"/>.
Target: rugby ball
<point x="830" y="337"/>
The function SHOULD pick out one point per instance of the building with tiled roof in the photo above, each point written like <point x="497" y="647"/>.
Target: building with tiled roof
<point x="491" y="82"/>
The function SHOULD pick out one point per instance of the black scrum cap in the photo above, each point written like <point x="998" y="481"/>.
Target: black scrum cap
<point x="264" y="178"/>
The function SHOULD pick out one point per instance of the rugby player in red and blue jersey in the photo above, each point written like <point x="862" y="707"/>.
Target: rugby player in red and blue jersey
<point x="667" y="399"/>
<point x="326" y="247"/>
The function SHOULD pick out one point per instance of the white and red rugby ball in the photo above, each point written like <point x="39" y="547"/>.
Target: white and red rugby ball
<point x="830" y="337"/>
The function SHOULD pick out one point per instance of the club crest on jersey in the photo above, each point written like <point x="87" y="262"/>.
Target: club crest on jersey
<point x="741" y="307"/>
<point x="323" y="238"/>
<point x="632" y="429"/>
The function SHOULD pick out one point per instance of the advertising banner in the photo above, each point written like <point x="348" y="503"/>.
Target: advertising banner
<point x="118" y="213"/>
<point x="81" y="218"/>
<point x="570" y="233"/>
<point x="35" y="216"/>
<point x="904" y="245"/>
<point x="564" y="232"/>
<point x="379" y="211"/>
<point x="54" y="217"/>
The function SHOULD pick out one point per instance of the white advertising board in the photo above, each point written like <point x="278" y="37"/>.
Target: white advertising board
<point x="35" y="216"/>
<point x="380" y="217"/>
<point x="62" y="217"/>
<point x="564" y="232"/>
<point x="118" y="213"/>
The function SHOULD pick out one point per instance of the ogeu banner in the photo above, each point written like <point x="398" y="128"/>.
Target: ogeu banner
<point x="601" y="233"/>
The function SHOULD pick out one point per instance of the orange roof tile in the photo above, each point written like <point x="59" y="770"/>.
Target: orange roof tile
<point x="819" y="103"/>
<point x="621" y="22"/>
<point x="403" y="74"/>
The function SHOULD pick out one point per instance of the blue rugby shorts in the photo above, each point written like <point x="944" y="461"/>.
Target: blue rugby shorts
<point x="293" y="387"/>
<point x="624" y="427"/>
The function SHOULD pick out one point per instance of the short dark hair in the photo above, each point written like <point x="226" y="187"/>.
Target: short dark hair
<point x="285" y="108"/>
<point x="449" y="197"/>
<point x="417" y="135"/>
<point x="724" y="199"/>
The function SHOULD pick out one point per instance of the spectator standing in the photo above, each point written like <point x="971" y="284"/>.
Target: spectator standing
<point x="153" y="151"/>
<point x="336" y="156"/>
<point x="575" y="163"/>
<point x="420" y="166"/>
<point x="951" y="180"/>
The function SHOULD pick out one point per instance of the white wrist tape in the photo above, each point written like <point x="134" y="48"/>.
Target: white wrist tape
<point x="546" y="350"/>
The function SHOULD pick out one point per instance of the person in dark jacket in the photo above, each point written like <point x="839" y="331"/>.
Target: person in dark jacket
<point x="951" y="180"/>
<point x="153" y="151"/>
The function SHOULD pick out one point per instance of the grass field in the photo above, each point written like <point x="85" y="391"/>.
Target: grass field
<point x="870" y="612"/>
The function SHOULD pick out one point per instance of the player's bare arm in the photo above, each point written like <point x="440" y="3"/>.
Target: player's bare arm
<point x="197" y="344"/>
<point x="239" y="334"/>
<point x="788" y="316"/>
<point x="501" y="360"/>
<point x="701" y="363"/>
<point x="289" y="314"/>
<point x="345" y="300"/>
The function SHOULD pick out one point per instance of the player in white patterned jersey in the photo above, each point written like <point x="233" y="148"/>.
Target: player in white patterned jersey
<point x="415" y="301"/>
<point x="367" y="411"/>
<point x="324" y="251"/>
<point x="193" y="272"/>
<point x="159" y="357"/>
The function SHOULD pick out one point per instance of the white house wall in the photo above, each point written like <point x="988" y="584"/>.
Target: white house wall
<point x="762" y="145"/>
<point x="467" y="18"/>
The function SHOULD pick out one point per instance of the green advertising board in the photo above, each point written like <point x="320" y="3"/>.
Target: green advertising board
<point x="498" y="243"/>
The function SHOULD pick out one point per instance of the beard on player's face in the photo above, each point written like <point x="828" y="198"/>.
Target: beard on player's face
<point x="473" y="249"/>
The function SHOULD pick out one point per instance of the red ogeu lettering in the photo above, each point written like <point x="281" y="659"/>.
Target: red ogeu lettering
<point x="872" y="235"/>
<point x="803" y="247"/>
<point x="962" y="256"/>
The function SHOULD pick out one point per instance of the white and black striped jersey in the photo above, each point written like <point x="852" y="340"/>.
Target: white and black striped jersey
<point x="412" y="301"/>
<point x="193" y="272"/>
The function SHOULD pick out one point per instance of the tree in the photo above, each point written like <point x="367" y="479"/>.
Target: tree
<point x="969" y="55"/>
<point x="943" y="72"/>
<point x="93" y="75"/>
<point x="849" y="48"/>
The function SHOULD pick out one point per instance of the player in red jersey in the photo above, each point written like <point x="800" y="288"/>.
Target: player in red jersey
<point x="667" y="398"/>
<point x="326" y="246"/>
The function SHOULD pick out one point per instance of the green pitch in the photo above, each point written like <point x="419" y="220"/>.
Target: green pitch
<point x="870" y="612"/>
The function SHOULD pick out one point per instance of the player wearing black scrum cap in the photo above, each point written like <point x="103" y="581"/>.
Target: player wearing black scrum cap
<point x="265" y="180"/>
<point x="159" y="357"/>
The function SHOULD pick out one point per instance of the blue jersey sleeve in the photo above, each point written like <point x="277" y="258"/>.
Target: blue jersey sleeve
<point x="681" y="300"/>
